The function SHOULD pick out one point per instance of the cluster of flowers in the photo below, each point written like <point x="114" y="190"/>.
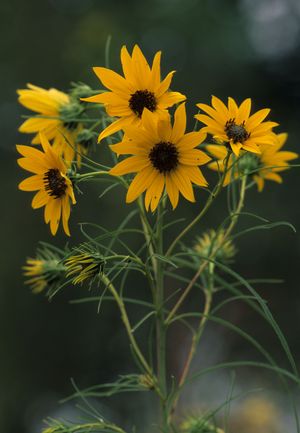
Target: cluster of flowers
<point x="162" y="154"/>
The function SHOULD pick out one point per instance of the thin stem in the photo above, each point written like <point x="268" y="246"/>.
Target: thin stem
<point x="160" y="319"/>
<point x="234" y="218"/>
<point x="128" y="328"/>
<point x="208" y="203"/>
<point x="208" y="292"/>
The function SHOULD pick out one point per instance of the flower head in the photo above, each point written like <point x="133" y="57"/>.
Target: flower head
<point x="263" y="166"/>
<point x="234" y="126"/>
<point x="43" y="271"/>
<point x="163" y="156"/>
<point x="83" y="266"/>
<point x="140" y="88"/>
<point x="55" y="119"/>
<point x="215" y="241"/>
<point x="55" y="190"/>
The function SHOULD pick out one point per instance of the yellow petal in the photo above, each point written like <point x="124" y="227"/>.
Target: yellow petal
<point x="40" y="199"/>
<point x="179" y="123"/>
<point x="217" y="150"/>
<point x="140" y="183"/>
<point x="130" y="165"/>
<point x="193" y="157"/>
<point x="165" y="84"/>
<point x="196" y="176"/>
<point x="154" y="192"/>
<point x="32" y="183"/>
<point x="256" y="119"/>
<point x="115" y="127"/>
<point x="243" y="111"/>
<point x="168" y="99"/>
<point x="191" y="140"/>
<point x="172" y="191"/>
<point x="114" y="82"/>
<point x="220" y="107"/>
<point x="183" y="183"/>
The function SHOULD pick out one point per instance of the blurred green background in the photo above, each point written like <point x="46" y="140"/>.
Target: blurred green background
<point x="239" y="48"/>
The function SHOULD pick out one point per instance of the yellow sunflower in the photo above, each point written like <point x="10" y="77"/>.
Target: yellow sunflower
<point x="54" y="188"/>
<point x="234" y="126"/>
<point x="55" y="114"/>
<point x="141" y="87"/>
<point x="163" y="156"/>
<point x="264" y="166"/>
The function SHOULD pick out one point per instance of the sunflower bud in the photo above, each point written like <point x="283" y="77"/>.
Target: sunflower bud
<point x="195" y="424"/>
<point x="70" y="115"/>
<point x="212" y="241"/>
<point x="86" y="138"/>
<point x="81" y="90"/>
<point x="248" y="163"/>
<point x="43" y="272"/>
<point x="146" y="381"/>
<point x="84" y="266"/>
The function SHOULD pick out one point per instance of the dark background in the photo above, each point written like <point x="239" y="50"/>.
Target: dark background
<point x="238" y="48"/>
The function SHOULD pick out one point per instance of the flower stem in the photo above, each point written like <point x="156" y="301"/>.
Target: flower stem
<point x="160" y="320"/>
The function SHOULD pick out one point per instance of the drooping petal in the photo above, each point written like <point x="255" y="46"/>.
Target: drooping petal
<point x="140" y="183"/>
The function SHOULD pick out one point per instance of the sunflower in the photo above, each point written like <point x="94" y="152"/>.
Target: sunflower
<point x="141" y="87"/>
<point x="54" y="188"/>
<point x="163" y="156"/>
<point x="234" y="126"/>
<point x="55" y="119"/>
<point x="264" y="166"/>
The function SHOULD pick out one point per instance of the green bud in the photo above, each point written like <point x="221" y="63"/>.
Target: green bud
<point x="81" y="90"/>
<point x="86" y="138"/>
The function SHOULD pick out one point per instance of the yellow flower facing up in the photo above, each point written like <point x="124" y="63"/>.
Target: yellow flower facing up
<point x="55" y="114"/>
<point x="140" y="88"/>
<point x="235" y="126"/>
<point x="82" y="267"/>
<point x="264" y="166"/>
<point x="163" y="157"/>
<point x="55" y="190"/>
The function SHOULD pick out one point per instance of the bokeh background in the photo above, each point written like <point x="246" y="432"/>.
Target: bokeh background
<point x="231" y="47"/>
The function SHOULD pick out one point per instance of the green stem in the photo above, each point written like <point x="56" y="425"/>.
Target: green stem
<point x="160" y="320"/>
<point x="131" y="337"/>
<point x="208" y="292"/>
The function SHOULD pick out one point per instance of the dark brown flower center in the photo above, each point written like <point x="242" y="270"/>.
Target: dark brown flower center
<point x="164" y="156"/>
<point x="55" y="183"/>
<point x="236" y="133"/>
<point x="142" y="99"/>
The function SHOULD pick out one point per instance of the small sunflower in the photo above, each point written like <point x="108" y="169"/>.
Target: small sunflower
<point x="163" y="156"/>
<point x="234" y="126"/>
<point x="34" y="269"/>
<point x="264" y="166"/>
<point x="55" y="190"/>
<point x="55" y="119"/>
<point x="141" y="87"/>
<point x="83" y="266"/>
<point x="44" y="271"/>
